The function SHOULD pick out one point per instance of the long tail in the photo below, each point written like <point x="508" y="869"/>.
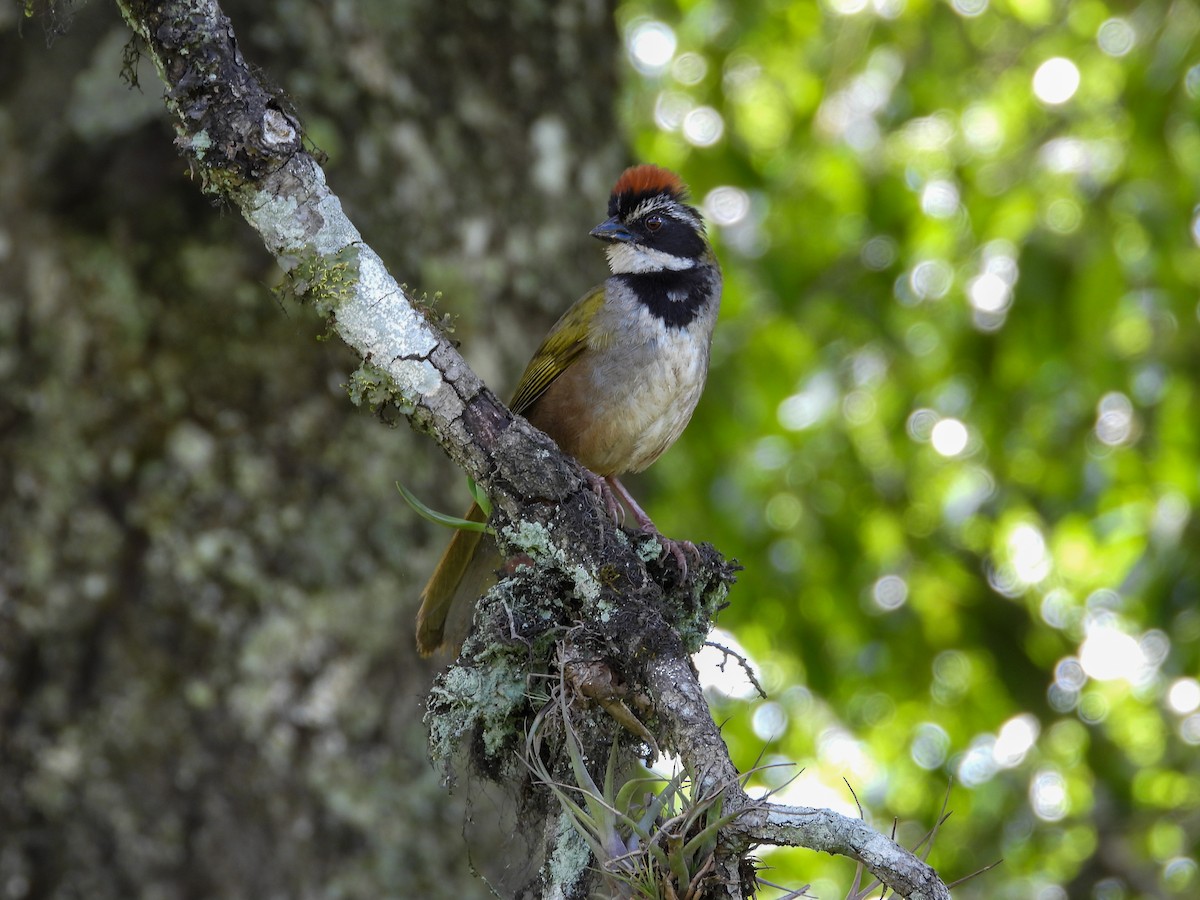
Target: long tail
<point x="438" y="597"/>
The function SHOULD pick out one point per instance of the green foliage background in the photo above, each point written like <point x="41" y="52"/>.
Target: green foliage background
<point x="925" y="243"/>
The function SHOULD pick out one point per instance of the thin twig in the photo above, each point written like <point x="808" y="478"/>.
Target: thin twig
<point x="745" y="663"/>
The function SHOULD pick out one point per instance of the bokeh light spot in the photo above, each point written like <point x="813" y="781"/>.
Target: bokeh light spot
<point x="837" y="745"/>
<point x="920" y="423"/>
<point x="1093" y="707"/>
<point x="940" y="198"/>
<point x="1060" y="699"/>
<point x="783" y="511"/>
<point x="1179" y="873"/>
<point x="889" y="592"/>
<point x="949" y="437"/>
<point x="969" y="490"/>
<point x="810" y="405"/>
<point x="772" y="452"/>
<point x="1183" y="696"/>
<point x="859" y="407"/>
<point x="1063" y="216"/>
<point x="1189" y="729"/>
<point x="847" y="7"/>
<point x="970" y="8"/>
<point x="880" y="252"/>
<point x="983" y="128"/>
<point x="1069" y="674"/>
<point x="989" y="293"/>
<point x="951" y="676"/>
<point x="670" y="108"/>
<point x="849" y="114"/>
<point x="929" y="134"/>
<point x="1048" y="796"/>
<point x="703" y="126"/>
<point x="689" y="68"/>
<point x="930" y="745"/>
<point x="1027" y="554"/>
<point x="1015" y="739"/>
<point x="651" y="46"/>
<point x="1171" y="515"/>
<point x="1056" y="80"/>
<point x="786" y="555"/>
<point x="1058" y="608"/>
<point x="1114" y="419"/>
<point x="1191" y="81"/>
<point x="726" y="205"/>
<point x="1108" y="654"/>
<point x="931" y="279"/>
<point x="770" y="721"/>
<point x="978" y="764"/>
<point x="1116" y="37"/>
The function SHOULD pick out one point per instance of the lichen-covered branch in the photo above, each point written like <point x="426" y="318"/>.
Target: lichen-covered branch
<point x="628" y="629"/>
<point x="247" y="150"/>
<point x="831" y="832"/>
<point x="697" y="739"/>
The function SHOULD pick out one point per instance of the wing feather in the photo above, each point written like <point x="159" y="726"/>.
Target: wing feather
<point x="562" y="346"/>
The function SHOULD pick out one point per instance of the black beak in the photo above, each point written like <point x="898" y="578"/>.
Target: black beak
<point x="613" y="232"/>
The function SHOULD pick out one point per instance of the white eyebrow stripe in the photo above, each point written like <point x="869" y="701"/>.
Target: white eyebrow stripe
<point x="648" y="206"/>
<point x="665" y="204"/>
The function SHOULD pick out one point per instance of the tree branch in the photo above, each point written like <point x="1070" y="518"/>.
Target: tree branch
<point x="247" y="149"/>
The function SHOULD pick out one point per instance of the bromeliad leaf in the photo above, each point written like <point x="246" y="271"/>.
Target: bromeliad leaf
<point x="441" y="518"/>
<point x="481" y="499"/>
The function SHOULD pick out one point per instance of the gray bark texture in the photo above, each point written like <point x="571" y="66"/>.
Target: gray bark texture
<point x="207" y="580"/>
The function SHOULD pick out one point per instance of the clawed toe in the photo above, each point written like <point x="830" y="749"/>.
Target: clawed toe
<point x="679" y="550"/>
<point x="601" y="489"/>
<point x="609" y="489"/>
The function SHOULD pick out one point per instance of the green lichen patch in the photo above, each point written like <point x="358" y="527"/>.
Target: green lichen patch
<point x="199" y="144"/>
<point x="322" y="282"/>
<point x="693" y="606"/>
<point x="427" y="305"/>
<point x="485" y="699"/>
<point x="534" y="539"/>
<point x="484" y="703"/>
<point x="649" y="549"/>
<point x="371" y="386"/>
<point x="572" y="856"/>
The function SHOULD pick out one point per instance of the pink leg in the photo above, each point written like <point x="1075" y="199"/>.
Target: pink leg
<point x="602" y="490"/>
<point x="675" y="548"/>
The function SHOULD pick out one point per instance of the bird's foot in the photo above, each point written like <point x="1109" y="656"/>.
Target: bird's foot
<point x="601" y="488"/>
<point x="677" y="549"/>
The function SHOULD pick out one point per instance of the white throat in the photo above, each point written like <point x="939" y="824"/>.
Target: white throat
<point x="631" y="259"/>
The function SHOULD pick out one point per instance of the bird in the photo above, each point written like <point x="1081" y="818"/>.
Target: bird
<point x="617" y="378"/>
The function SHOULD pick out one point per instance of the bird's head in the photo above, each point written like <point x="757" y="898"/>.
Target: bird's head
<point x="651" y="227"/>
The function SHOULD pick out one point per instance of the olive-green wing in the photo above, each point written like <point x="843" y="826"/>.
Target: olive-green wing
<point x="562" y="346"/>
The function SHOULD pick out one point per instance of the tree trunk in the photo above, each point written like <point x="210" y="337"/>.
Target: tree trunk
<point x="207" y="683"/>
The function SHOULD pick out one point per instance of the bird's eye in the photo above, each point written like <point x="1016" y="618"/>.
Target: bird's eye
<point x="653" y="223"/>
